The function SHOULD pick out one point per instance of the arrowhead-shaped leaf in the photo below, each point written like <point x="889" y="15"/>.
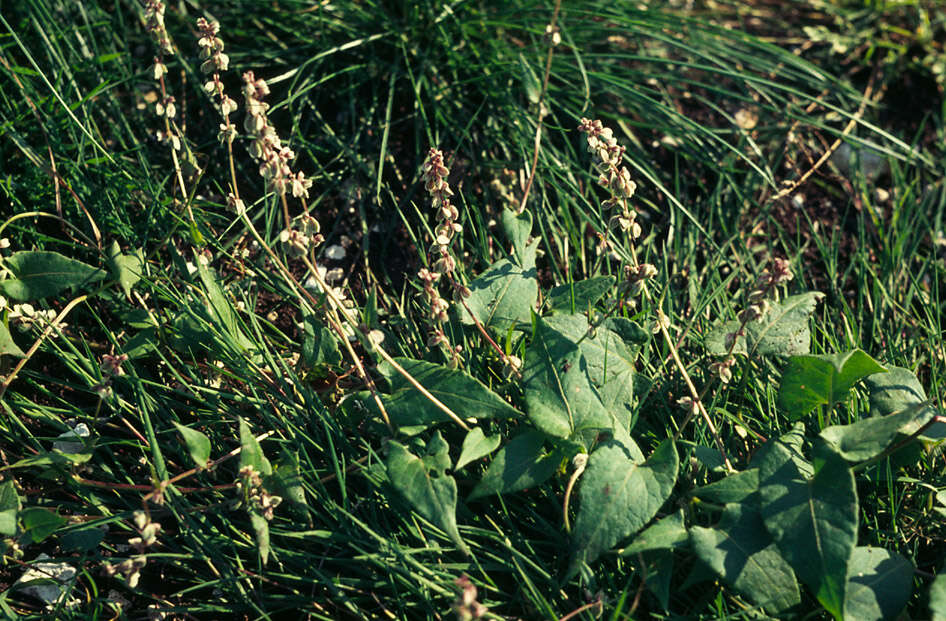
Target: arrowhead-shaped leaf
<point x="879" y="585"/>
<point x="521" y="464"/>
<point x="424" y="483"/>
<point x="782" y="331"/>
<point x="742" y="553"/>
<point x="455" y="388"/>
<point x="251" y="454"/>
<point x="502" y="297"/>
<point x="261" y="531"/>
<point x="810" y="381"/>
<point x="7" y="344"/>
<point x="561" y="399"/>
<point x="125" y="268"/>
<point x="475" y="445"/>
<point x="41" y="274"/>
<point x="319" y="346"/>
<point x="813" y="519"/>
<point x="578" y="297"/>
<point x="198" y="445"/>
<point x="39" y="523"/>
<point x="619" y="496"/>
<point x="9" y="507"/>
<point x="609" y="354"/>
<point x="517" y="228"/>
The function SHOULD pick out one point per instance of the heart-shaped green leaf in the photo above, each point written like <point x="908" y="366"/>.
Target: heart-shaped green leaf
<point x="736" y="487"/>
<point x="476" y="445"/>
<point x="251" y="454"/>
<point x="619" y="496"/>
<point x="743" y="554"/>
<point x="125" y="268"/>
<point x="610" y="352"/>
<point x="880" y="583"/>
<point x="561" y="399"/>
<point x="503" y="295"/>
<point x="521" y="464"/>
<point x="424" y="483"/>
<point x="9" y="507"/>
<point x="810" y="381"/>
<point x="517" y="227"/>
<point x="578" y="297"/>
<point x="7" y="344"/>
<point x="198" y="445"/>
<point x="782" y="331"/>
<point x="812" y="518"/>
<point x="899" y="389"/>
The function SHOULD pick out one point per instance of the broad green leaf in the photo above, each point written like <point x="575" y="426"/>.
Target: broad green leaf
<point x="619" y="496"/>
<point x="810" y="381"/>
<point x="664" y="534"/>
<point x="7" y="344"/>
<point x="455" y="388"/>
<point x="41" y="274"/>
<point x="742" y="553"/>
<point x="261" y="532"/>
<point x="609" y="357"/>
<point x="899" y="389"/>
<point x="736" y="487"/>
<point x="710" y="458"/>
<point x="894" y="391"/>
<point x="659" y="574"/>
<point x="869" y="437"/>
<point x="9" y="506"/>
<point x="560" y="397"/>
<point x="198" y="445"/>
<point x="578" y="297"/>
<point x="521" y="464"/>
<point x="287" y="480"/>
<point x="125" y="268"/>
<point x="517" y="228"/>
<point x="782" y="331"/>
<point x="221" y="310"/>
<point x="629" y="331"/>
<point x="82" y="539"/>
<point x="318" y="343"/>
<point x="813" y="520"/>
<point x="938" y="597"/>
<point x="250" y="452"/>
<point x="503" y="295"/>
<point x="879" y="585"/>
<point x="39" y="523"/>
<point x="424" y="483"/>
<point x="475" y="446"/>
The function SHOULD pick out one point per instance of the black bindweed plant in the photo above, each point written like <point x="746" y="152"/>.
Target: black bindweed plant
<point x="459" y="340"/>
